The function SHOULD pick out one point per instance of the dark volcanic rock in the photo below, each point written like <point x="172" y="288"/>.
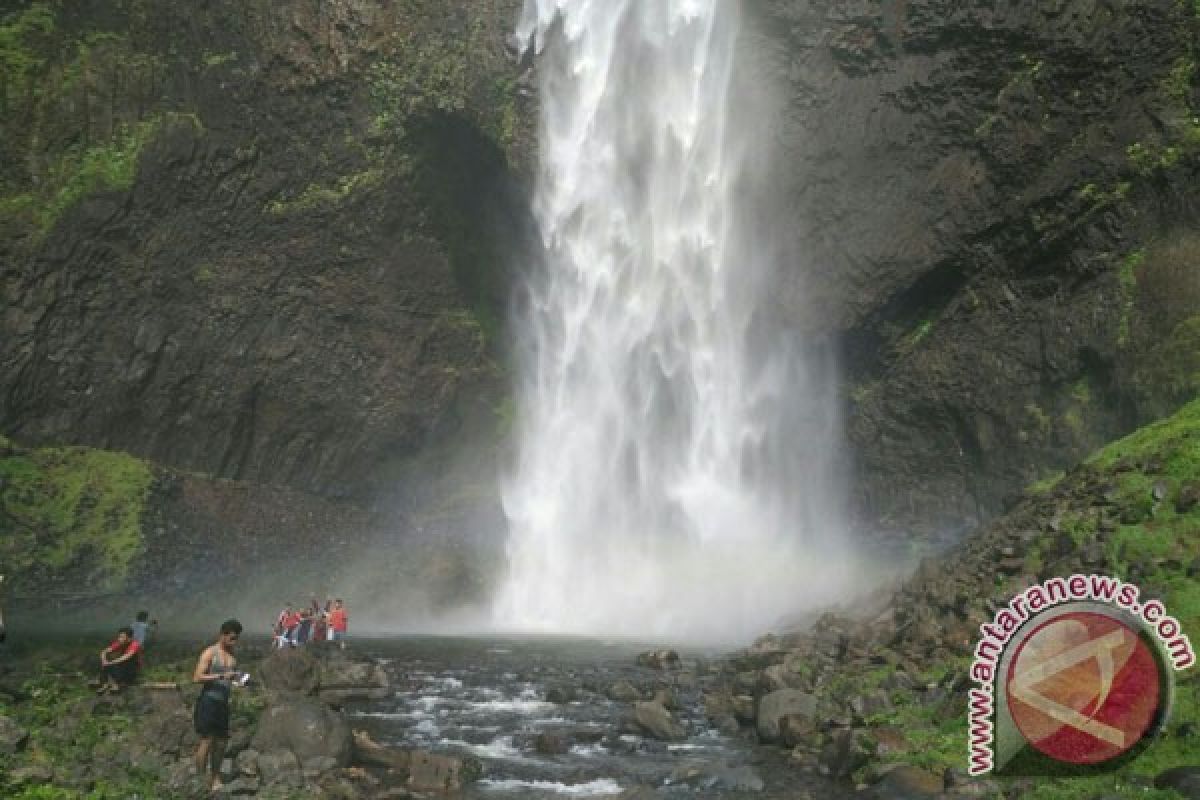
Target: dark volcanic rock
<point x="1185" y="780"/>
<point x="907" y="783"/>
<point x="964" y="189"/>
<point x="658" y="722"/>
<point x="274" y="296"/>
<point x="774" y="707"/>
<point x="305" y="728"/>
<point x="12" y="736"/>
<point x="291" y="670"/>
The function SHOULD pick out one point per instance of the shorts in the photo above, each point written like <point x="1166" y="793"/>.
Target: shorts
<point x="339" y="636"/>
<point x="211" y="716"/>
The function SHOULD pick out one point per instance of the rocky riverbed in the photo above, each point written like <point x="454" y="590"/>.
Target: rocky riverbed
<point x="401" y="717"/>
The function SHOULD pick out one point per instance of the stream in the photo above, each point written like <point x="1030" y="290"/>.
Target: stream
<point x="488" y="698"/>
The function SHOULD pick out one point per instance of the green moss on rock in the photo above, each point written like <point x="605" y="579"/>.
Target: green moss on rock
<point x="109" y="166"/>
<point x="72" y="511"/>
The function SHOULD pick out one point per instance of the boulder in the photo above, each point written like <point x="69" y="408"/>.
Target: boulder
<point x="843" y="754"/>
<point x="307" y="728"/>
<point x="32" y="775"/>
<point x="658" y="722"/>
<point x="279" y="766"/>
<point x="342" y="677"/>
<point x="440" y="773"/>
<point x="905" y="782"/>
<point x="171" y="733"/>
<point x="246" y="763"/>
<point x="778" y="676"/>
<point x="871" y="703"/>
<point x="560" y="695"/>
<point x="292" y="669"/>
<point x="318" y="765"/>
<point x="659" y="659"/>
<point x="1189" y="496"/>
<point x="666" y="698"/>
<point x="552" y="743"/>
<point x="737" y="779"/>
<point x="369" y="752"/>
<point x="718" y="704"/>
<point x="13" y="737"/>
<point x="1185" y="780"/>
<point x="796" y="729"/>
<point x="743" y="708"/>
<point x="775" y="706"/>
<point x="624" y="692"/>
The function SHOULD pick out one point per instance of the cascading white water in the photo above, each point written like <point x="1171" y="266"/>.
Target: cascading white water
<point x="674" y="475"/>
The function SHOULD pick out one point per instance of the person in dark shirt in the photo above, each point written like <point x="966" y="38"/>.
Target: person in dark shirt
<point x="216" y="673"/>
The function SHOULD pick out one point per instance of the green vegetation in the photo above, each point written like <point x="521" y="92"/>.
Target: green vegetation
<point x="19" y="31"/>
<point x="1156" y="539"/>
<point x="1098" y="198"/>
<point x="935" y="733"/>
<point x="1171" y="368"/>
<point x="73" y="511"/>
<point x="1047" y="483"/>
<point x="110" y="166"/>
<point x="1177" y="85"/>
<point x="922" y="330"/>
<point x="317" y="196"/>
<point x="62" y="734"/>
<point x="1154" y="544"/>
<point x="1128" y="280"/>
<point x="212" y="60"/>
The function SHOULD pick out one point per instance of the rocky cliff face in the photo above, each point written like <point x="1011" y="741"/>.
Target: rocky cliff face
<point x="992" y="205"/>
<point x="263" y="241"/>
<point x="267" y="241"/>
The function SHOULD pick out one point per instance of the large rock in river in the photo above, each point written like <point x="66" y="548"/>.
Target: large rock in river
<point x="657" y="721"/>
<point x="306" y="728"/>
<point x="777" y="705"/>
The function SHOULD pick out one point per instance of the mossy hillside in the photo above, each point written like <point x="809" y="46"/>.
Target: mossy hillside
<point x="1130" y="499"/>
<point x="71" y="513"/>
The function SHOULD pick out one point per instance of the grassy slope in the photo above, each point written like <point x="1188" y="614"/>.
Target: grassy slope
<point x="1154" y="545"/>
<point x="71" y="511"/>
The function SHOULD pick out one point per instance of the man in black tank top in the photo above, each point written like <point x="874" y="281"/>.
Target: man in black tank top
<point x="215" y="672"/>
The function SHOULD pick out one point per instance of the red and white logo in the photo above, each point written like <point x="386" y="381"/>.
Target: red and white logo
<point x="1084" y="687"/>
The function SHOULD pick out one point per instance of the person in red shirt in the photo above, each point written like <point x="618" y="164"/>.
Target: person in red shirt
<point x="119" y="662"/>
<point x="337" y="621"/>
<point x="291" y="625"/>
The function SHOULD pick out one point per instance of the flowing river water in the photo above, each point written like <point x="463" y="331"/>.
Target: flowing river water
<point x="488" y="699"/>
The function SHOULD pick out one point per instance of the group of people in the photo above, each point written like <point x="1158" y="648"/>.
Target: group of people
<point x="313" y="623"/>
<point x="216" y="669"/>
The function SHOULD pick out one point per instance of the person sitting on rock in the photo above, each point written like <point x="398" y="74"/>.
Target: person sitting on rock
<point x="119" y="662"/>
<point x="215" y="672"/>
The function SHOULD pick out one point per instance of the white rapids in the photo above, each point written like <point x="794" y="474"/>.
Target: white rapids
<point x="676" y="473"/>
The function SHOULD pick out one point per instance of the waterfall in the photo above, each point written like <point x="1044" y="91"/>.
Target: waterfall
<point x="676" y="468"/>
